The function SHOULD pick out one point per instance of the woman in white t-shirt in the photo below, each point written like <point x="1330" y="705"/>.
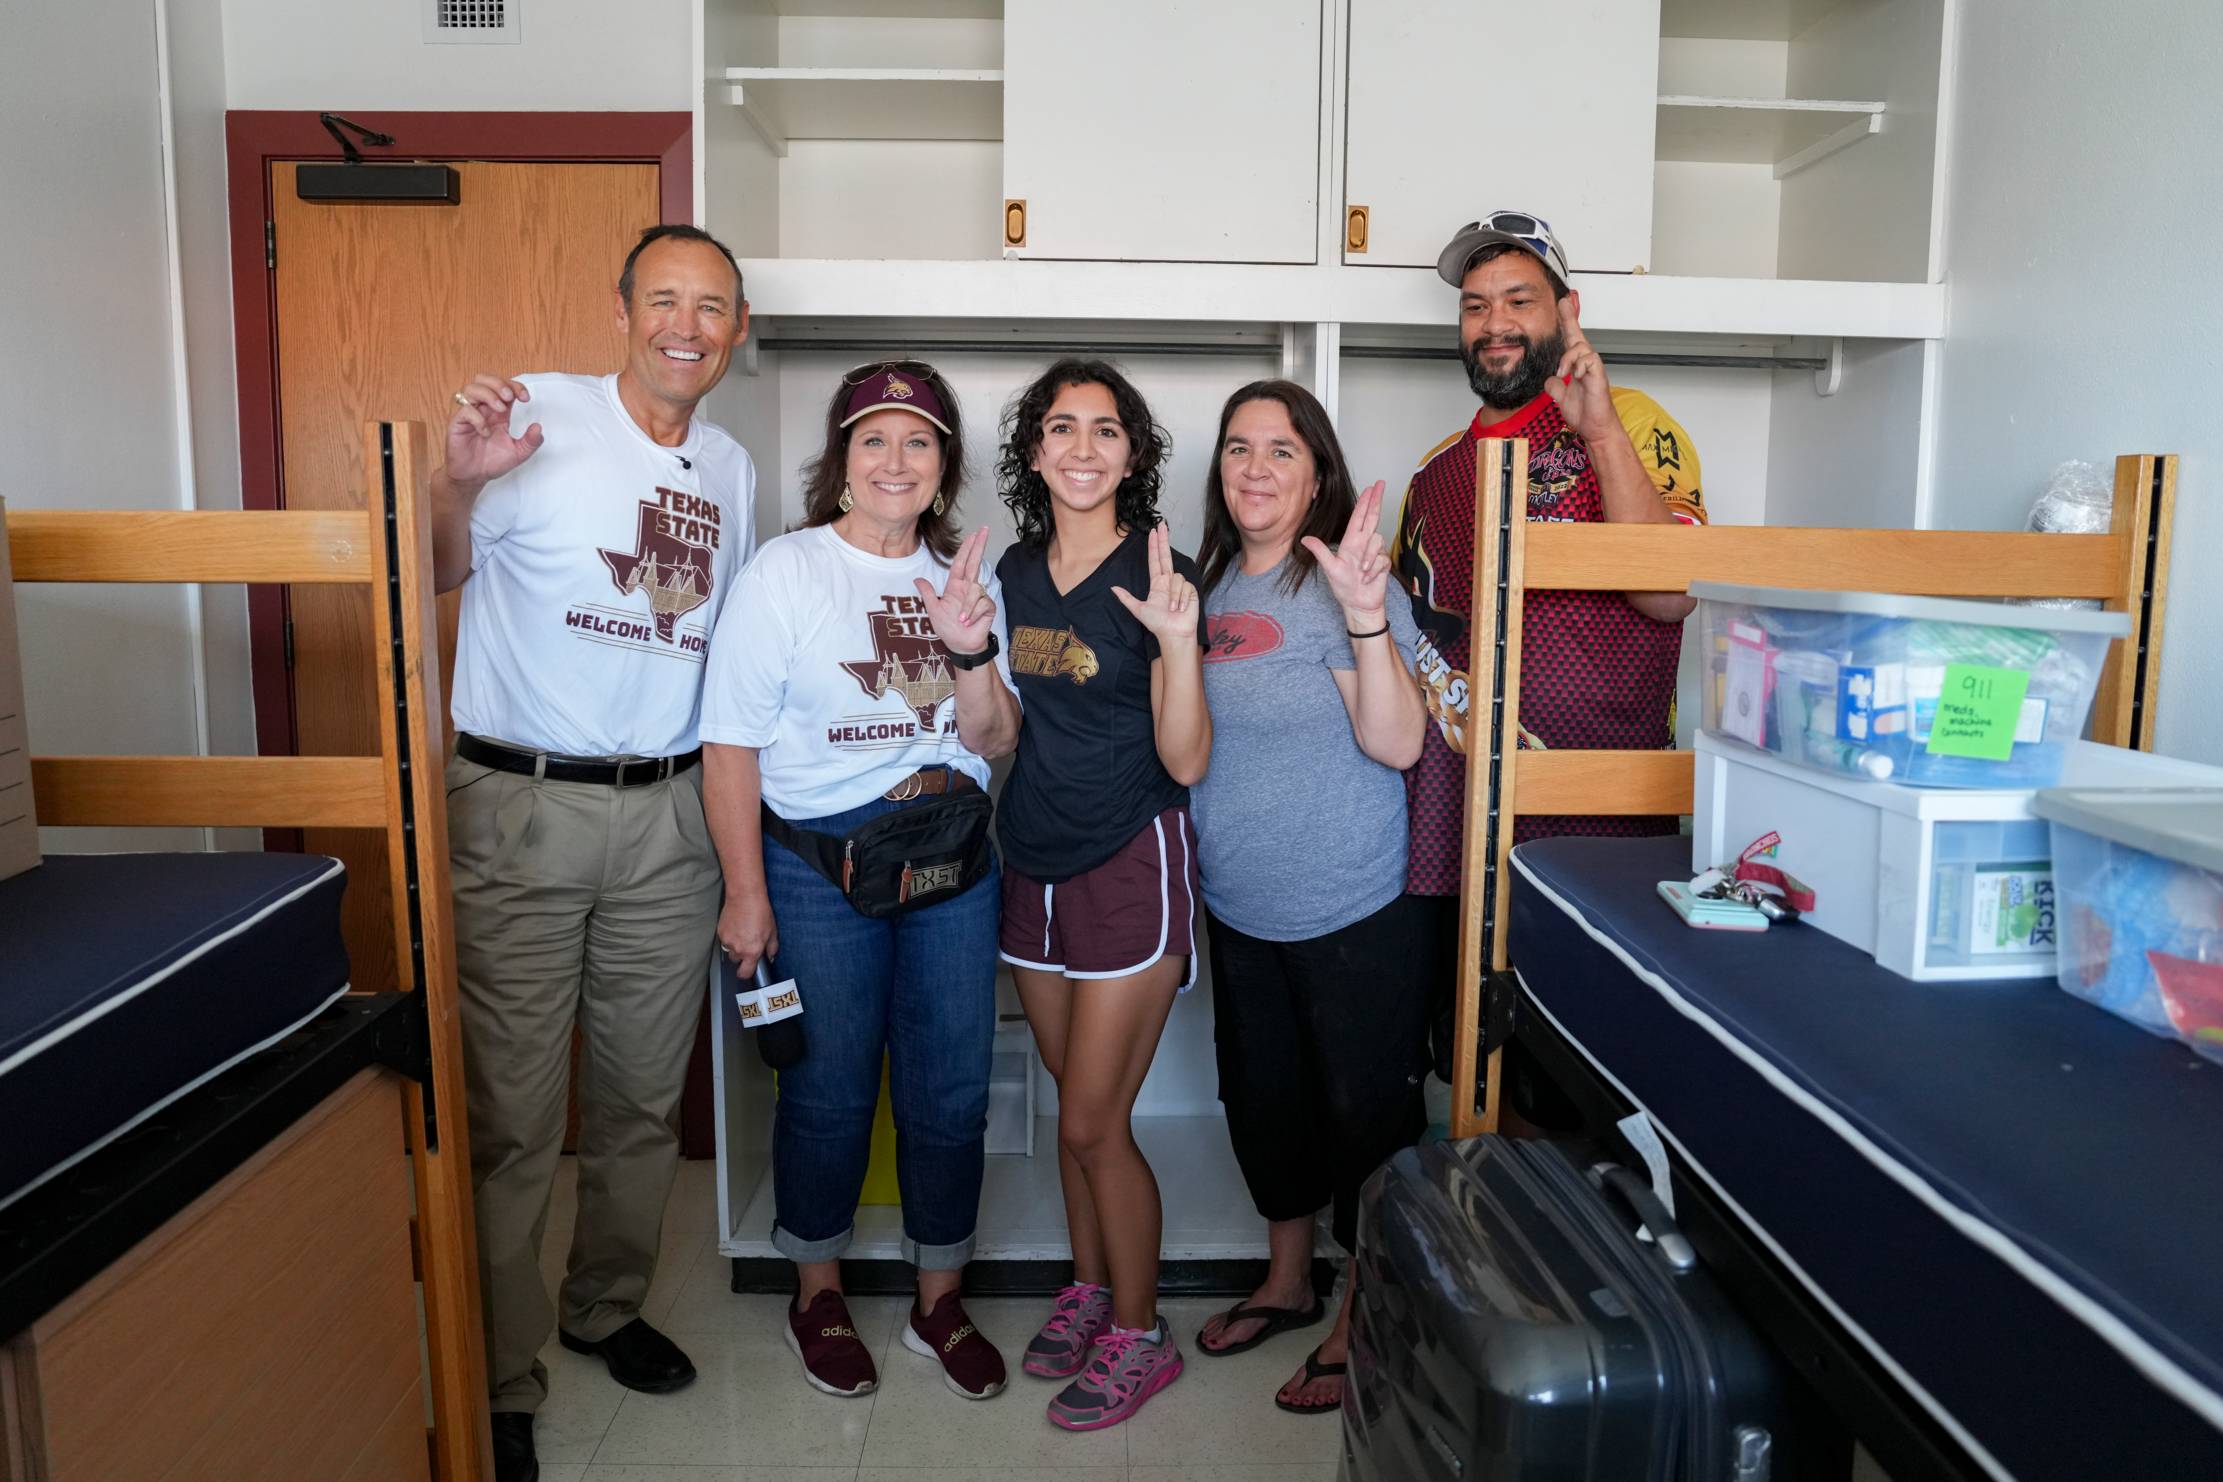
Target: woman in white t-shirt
<point x="857" y="671"/>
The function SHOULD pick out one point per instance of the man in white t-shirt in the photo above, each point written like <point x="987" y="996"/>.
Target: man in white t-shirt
<point x="595" y="525"/>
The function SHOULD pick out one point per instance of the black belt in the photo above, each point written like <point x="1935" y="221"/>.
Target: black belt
<point x="636" y="773"/>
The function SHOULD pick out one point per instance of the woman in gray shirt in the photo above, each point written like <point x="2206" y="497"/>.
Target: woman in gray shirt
<point x="1318" y="977"/>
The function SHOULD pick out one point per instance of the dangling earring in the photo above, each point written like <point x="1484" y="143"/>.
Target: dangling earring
<point x="847" y="502"/>
<point x="939" y="505"/>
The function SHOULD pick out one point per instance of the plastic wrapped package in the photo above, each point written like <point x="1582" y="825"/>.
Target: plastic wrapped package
<point x="2076" y="501"/>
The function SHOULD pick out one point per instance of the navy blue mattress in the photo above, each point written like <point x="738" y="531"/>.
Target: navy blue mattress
<point x="128" y="979"/>
<point x="2011" y="1199"/>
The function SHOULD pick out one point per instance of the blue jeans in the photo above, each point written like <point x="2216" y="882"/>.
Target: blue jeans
<point x="919" y="988"/>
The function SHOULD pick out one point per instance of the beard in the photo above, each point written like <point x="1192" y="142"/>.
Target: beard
<point x="1517" y="387"/>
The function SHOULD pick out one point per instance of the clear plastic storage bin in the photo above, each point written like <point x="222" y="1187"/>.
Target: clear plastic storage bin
<point x="1921" y="690"/>
<point x="2141" y="882"/>
<point x="1940" y="884"/>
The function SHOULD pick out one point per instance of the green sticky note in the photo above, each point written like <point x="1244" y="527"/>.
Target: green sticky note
<point x="1977" y="712"/>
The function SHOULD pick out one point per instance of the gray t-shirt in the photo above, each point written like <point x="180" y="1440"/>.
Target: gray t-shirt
<point x="1299" y="833"/>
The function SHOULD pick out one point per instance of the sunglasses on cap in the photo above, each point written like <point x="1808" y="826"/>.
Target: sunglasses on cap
<point x="916" y="369"/>
<point x="1529" y="231"/>
<point x="1532" y="230"/>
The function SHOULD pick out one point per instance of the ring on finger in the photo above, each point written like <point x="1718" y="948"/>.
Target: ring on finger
<point x="461" y="400"/>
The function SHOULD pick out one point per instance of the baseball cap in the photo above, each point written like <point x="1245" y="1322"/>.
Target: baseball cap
<point x="907" y="385"/>
<point x="1530" y="233"/>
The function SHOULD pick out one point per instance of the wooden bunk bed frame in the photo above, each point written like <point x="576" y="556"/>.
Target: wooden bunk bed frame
<point x="387" y="548"/>
<point x="2126" y="568"/>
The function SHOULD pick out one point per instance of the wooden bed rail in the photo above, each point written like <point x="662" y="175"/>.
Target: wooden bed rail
<point x="203" y="545"/>
<point x="389" y="550"/>
<point x="2127" y="569"/>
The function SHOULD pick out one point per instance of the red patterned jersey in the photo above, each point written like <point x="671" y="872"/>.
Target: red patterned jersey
<point x="1595" y="672"/>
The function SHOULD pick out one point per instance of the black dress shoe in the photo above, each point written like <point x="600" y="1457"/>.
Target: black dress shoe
<point x="639" y="1358"/>
<point x="513" y="1447"/>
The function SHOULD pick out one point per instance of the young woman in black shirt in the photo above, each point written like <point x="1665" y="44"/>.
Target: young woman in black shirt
<point x="1100" y="882"/>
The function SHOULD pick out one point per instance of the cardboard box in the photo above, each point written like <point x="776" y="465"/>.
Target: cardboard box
<point x="19" y="824"/>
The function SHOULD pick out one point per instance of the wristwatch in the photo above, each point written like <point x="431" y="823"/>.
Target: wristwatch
<point x="971" y="661"/>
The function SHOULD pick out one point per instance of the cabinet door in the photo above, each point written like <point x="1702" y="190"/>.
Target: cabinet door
<point x="1164" y="130"/>
<point x="1458" y="107"/>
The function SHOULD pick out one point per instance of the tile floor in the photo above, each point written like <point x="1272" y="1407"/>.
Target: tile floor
<point x="750" y="1417"/>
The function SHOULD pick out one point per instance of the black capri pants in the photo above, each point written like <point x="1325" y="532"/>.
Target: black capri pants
<point x="1321" y="1047"/>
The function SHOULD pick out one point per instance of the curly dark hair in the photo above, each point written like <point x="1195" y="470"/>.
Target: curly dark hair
<point x="825" y="474"/>
<point x="1022" y="489"/>
<point x="1331" y="506"/>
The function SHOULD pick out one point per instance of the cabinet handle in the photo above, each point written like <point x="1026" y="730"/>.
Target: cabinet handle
<point x="1354" y="229"/>
<point x="1014" y="223"/>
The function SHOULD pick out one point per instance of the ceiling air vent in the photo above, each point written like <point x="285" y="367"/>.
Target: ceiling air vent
<point x="472" y="21"/>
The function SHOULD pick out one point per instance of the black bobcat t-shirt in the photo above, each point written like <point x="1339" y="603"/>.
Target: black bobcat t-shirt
<point x="1087" y="778"/>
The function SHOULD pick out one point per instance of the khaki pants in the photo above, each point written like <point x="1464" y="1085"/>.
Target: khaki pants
<point x="574" y="902"/>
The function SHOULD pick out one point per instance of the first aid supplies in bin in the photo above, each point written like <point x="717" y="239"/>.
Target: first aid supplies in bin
<point x="2141" y="887"/>
<point x="1921" y="690"/>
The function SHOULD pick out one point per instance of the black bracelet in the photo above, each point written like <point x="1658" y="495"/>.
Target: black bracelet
<point x="1376" y="633"/>
<point x="970" y="661"/>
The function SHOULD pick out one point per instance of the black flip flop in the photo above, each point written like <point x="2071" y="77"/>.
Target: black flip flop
<point x="1314" y="1369"/>
<point x="1278" y="1320"/>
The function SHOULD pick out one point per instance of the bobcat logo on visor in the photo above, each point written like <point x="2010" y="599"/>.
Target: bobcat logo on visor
<point x="898" y="388"/>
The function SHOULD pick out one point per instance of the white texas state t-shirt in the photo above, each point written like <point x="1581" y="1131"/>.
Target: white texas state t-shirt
<point x="825" y="662"/>
<point x="598" y="569"/>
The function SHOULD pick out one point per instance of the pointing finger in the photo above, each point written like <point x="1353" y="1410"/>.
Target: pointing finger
<point x="1570" y="320"/>
<point x="926" y="592"/>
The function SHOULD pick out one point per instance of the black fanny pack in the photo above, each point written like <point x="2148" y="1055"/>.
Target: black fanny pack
<point x="901" y="861"/>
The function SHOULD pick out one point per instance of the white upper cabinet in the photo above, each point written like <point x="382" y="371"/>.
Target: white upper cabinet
<point x="1176" y="131"/>
<point x="1459" y="107"/>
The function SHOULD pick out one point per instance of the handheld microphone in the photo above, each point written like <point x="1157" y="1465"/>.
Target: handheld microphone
<point x="779" y="1034"/>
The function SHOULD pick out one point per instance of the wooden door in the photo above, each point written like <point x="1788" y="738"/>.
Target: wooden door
<point x="382" y="311"/>
<point x="1201" y="142"/>
<point x="1458" y="107"/>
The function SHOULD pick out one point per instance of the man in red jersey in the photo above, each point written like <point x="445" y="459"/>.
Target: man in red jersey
<point x="1597" y="668"/>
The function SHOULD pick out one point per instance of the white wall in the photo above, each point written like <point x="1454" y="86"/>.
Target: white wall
<point x="89" y="388"/>
<point x="343" y="55"/>
<point x="210" y="456"/>
<point x="2070" y="341"/>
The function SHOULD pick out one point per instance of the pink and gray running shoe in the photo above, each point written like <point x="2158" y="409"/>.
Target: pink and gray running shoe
<point x="1059" y="1350"/>
<point x="1126" y="1367"/>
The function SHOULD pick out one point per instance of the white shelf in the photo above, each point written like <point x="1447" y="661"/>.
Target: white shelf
<point x="783" y="103"/>
<point x="1788" y="133"/>
<point x="1006" y="289"/>
<point x="1208" y="1213"/>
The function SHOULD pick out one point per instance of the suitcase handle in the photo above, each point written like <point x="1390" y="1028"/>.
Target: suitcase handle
<point x="1638" y="1195"/>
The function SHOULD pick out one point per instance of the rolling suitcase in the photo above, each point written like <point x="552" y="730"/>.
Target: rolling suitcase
<point x="1511" y="1326"/>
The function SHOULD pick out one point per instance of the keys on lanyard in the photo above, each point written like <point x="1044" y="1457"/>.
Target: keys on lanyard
<point x="1776" y="893"/>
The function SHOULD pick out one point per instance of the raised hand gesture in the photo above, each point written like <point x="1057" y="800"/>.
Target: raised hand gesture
<point x="479" y="445"/>
<point x="1358" y="568"/>
<point x="1170" y="611"/>
<point x="1584" y="395"/>
<point x="962" y="612"/>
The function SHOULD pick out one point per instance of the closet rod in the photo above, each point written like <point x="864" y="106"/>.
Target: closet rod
<point x="806" y="344"/>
